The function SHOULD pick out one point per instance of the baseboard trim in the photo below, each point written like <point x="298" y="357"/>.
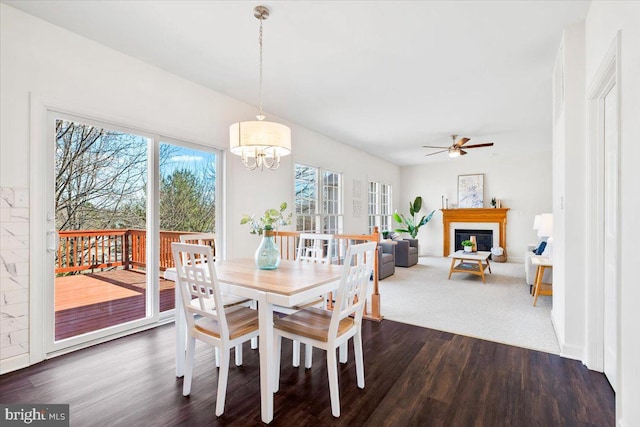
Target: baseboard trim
<point x="14" y="363"/>
<point x="571" y="352"/>
<point x="566" y="350"/>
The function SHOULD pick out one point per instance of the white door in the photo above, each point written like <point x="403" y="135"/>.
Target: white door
<point x="610" y="232"/>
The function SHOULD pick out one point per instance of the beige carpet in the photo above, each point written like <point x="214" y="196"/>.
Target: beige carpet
<point x="499" y="310"/>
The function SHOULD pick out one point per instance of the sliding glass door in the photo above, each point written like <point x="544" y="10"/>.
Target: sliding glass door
<point x="100" y="216"/>
<point x="187" y="202"/>
<point x="117" y="198"/>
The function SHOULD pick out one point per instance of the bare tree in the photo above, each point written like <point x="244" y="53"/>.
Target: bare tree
<point x="97" y="171"/>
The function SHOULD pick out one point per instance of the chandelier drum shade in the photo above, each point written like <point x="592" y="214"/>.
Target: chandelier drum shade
<point x="260" y="143"/>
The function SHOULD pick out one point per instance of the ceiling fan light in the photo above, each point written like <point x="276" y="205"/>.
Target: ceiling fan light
<point x="454" y="153"/>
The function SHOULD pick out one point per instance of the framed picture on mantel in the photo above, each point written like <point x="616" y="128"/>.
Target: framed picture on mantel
<point x="471" y="191"/>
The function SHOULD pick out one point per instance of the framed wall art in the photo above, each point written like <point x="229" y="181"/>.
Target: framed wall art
<point x="471" y="191"/>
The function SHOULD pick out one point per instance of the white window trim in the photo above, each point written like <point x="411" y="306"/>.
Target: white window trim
<point x="319" y="215"/>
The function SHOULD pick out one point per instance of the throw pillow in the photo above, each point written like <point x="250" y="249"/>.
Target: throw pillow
<point x="540" y="249"/>
<point x="397" y="236"/>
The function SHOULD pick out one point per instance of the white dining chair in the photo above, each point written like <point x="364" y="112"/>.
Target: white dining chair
<point x="229" y="300"/>
<point x="329" y="330"/>
<point x="222" y="328"/>
<point x="312" y="248"/>
<point x="318" y="248"/>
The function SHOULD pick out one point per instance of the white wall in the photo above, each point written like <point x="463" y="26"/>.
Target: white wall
<point x="40" y="59"/>
<point x="522" y="183"/>
<point x="569" y="195"/>
<point x="604" y="20"/>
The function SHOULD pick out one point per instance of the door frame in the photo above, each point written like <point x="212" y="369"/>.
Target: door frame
<point x="39" y="145"/>
<point x="607" y="75"/>
<point x="42" y="320"/>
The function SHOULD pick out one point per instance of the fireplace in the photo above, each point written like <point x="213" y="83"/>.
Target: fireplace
<point x="484" y="238"/>
<point x="474" y="219"/>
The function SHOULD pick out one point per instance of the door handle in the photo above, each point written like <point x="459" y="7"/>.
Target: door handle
<point x="52" y="241"/>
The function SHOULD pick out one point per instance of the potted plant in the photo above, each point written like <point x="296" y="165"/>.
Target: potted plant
<point x="467" y="245"/>
<point x="494" y="202"/>
<point x="412" y="226"/>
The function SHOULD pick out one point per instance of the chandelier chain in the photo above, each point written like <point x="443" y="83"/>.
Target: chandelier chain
<point x="260" y="90"/>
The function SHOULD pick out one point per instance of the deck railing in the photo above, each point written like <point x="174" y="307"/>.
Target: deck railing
<point x="91" y="249"/>
<point x="97" y="249"/>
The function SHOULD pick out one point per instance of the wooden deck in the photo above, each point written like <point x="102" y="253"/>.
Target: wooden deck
<point x="89" y="302"/>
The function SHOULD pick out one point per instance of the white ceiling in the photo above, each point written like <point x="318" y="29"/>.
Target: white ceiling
<point x="382" y="76"/>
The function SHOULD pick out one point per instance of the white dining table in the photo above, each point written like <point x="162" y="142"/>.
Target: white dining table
<point x="292" y="283"/>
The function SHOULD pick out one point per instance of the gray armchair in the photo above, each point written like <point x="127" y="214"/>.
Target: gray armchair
<point x="386" y="259"/>
<point x="406" y="252"/>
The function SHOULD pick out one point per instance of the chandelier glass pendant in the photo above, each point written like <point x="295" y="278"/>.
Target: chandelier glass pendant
<point x="260" y="143"/>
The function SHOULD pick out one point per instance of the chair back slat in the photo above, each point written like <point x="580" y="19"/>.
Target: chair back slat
<point x="314" y="247"/>
<point x="196" y="278"/>
<point x="208" y="239"/>
<point x="352" y="292"/>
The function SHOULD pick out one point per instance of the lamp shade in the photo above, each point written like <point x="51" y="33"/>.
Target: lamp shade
<point x="536" y="222"/>
<point x="546" y="225"/>
<point x="259" y="137"/>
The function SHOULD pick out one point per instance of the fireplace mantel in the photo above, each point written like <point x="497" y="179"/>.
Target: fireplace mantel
<point x="497" y="215"/>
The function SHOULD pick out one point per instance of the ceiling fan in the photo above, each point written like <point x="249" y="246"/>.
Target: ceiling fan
<point x="455" y="149"/>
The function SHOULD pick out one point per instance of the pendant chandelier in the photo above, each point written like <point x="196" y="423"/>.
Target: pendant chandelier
<point x="259" y="143"/>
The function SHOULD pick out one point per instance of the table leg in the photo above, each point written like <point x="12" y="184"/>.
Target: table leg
<point x="532" y="288"/>
<point x="536" y="288"/>
<point x="489" y="266"/>
<point x="181" y="331"/>
<point x="453" y="261"/>
<point x="266" y="348"/>
<point x="481" y="267"/>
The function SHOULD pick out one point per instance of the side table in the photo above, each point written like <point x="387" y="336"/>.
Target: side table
<point x="539" y="288"/>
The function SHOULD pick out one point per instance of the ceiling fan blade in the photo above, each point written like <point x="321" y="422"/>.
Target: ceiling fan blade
<point x="488" y="144"/>
<point x="462" y="141"/>
<point x="433" y="146"/>
<point x="462" y="152"/>
<point x="437" y="152"/>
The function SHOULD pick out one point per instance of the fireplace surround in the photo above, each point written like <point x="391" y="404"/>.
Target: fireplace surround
<point x="492" y="217"/>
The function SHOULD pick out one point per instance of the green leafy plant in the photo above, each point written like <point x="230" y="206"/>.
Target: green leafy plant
<point x="494" y="202"/>
<point x="412" y="226"/>
<point x="466" y="243"/>
<point x="271" y="220"/>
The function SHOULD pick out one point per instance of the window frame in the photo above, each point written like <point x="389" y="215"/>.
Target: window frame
<point x="328" y="215"/>
<point x="379" y="206"/>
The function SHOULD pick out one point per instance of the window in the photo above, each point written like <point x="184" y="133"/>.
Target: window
<point x="318" y="200"/>
<point x="379" y="206"/>
<point x="331" y="202"/>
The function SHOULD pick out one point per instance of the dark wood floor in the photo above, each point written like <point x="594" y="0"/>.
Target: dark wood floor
<point x="414" y="377"/>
